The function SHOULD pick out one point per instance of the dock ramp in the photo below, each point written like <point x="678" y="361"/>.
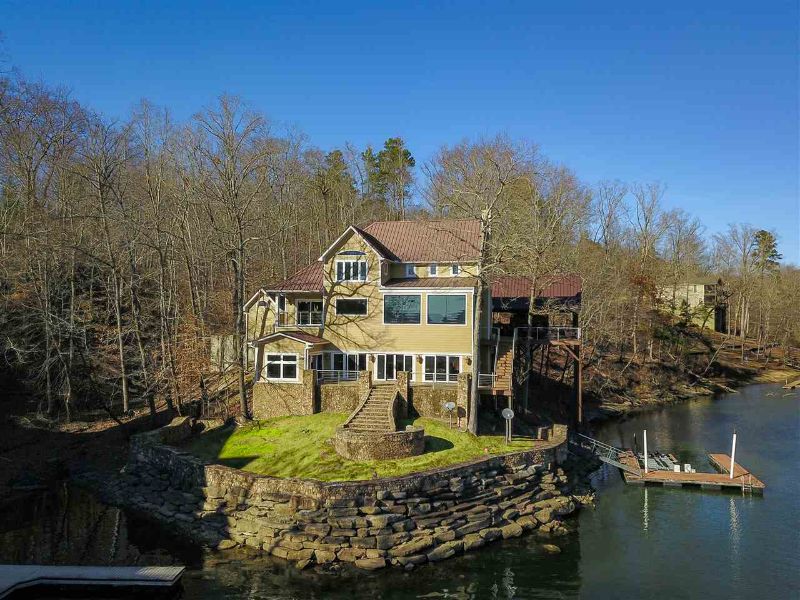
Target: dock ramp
<point x="605" y="452"/>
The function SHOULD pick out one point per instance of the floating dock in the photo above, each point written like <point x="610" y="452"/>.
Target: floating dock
<point x="742" y="478"/>
<point x="14" y="578"/>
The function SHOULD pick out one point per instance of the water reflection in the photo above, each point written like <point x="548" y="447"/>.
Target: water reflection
<point x="638" y="542"/>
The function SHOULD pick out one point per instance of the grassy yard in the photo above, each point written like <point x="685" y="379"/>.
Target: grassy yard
<point x="299" y="447"/>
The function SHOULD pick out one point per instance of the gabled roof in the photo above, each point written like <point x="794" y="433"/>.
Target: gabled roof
<point x="428" y="241"/>
<point x="307" y="279"/>
<point x="347" y="233"/>
<point x="300" y="336"/>
<point x="510" y="286"/>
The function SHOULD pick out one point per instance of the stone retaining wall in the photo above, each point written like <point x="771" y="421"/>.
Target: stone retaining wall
<point x="403" y="521"/>
<point x="377" y="445"/>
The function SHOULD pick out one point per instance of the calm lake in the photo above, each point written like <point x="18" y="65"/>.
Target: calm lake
<point x="638" y="542"/>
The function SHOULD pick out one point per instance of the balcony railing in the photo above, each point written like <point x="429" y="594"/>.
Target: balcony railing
<point x="333" y="376"/>
<point x="440" y="377"/>
<point x="486" y="380"/>
<point x="548" y="333"/>
<point x="302" y="319"/>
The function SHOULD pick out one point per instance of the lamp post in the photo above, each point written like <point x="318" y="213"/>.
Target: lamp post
<point x="733" y="452"/>
<point x="645" y="450"/>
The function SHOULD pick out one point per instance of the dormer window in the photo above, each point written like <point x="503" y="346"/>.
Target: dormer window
<point x="433" y="270"/>
<point x="455" y="270"/>
<point x="410" y="270"/>
<point x="351" y="270"/>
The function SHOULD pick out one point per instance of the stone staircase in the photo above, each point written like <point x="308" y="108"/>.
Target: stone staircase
<point x="505" y="365"/>
<point x="374" y="413"/>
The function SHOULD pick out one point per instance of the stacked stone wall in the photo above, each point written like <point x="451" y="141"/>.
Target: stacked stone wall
<point x="403" y="521"/>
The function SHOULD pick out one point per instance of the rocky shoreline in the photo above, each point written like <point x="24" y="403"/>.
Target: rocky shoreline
<point x="403" y="522"/>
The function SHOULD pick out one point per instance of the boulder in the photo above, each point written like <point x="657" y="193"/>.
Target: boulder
<point x="511" y="530"/>
<point x="370" y="564"/>
<point x="446" y="550"/>
<point x="551" y="548"/>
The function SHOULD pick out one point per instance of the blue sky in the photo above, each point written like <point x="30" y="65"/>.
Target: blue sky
<point x="702" y="96"/>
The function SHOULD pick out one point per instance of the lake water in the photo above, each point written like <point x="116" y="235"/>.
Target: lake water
<point x="638" y="542"/>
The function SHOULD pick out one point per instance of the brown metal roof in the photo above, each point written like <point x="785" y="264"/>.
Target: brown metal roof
<point x="433" y="282"/>
<point x="307" y="279"/>
<point x="509" y="286"/>
<point x="427" y="241"/>
<point x="300" y="336"/>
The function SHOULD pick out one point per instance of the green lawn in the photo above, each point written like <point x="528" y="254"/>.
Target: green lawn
<point x="300" y="447"/>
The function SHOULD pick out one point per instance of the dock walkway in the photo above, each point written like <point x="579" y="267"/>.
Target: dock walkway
<point x="17" y="577"/>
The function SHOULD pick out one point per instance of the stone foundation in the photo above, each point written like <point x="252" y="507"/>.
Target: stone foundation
<point x="403" y="521"/>
<point x="374" y="445"/>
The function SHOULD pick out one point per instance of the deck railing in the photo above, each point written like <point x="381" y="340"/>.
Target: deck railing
<point x="332" y="376"/>
<point x="548" y="333"/>
<point x="486" y="380"/>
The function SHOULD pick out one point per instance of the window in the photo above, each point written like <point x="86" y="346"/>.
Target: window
<point x="410" y="270"/>
<point x="351" y="306"/>
<point x="351" y="270"/>
<point x="343" y="361"/>
<point x="387" y="365"/>
<point x="309" y="312"/>
<point x="455" y="270"/>
<point x="447" y="310"/>
<point x="281" y="367"/>
<point x="399" y="309"/>
<point x="442" y="368"/>
<point x="432" y="269"/>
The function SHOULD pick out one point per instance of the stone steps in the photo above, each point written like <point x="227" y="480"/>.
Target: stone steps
<point x="374" y="414"/>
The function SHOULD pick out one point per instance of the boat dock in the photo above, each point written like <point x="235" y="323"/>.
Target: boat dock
<point x="665" y="469"/>
<point x="742" y="478"/>
<point x="14" y="578"/>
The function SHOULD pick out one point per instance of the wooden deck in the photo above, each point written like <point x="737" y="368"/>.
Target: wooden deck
<point x="17" y="577"/>
<point x="742" y="478"/>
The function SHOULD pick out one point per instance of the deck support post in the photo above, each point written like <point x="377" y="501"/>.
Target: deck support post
<point x="645" y="450"/>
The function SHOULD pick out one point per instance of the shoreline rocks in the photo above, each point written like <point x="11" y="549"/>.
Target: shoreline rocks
<point x="403" y="522"/>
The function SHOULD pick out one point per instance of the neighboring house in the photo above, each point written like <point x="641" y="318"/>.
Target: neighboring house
<point x="701" y="301"/>
<point x="391" y="304"/>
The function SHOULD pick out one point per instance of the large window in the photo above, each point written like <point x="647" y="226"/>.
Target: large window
<point x="387" y="365"/>
<point x="401" y="309"/>
<point x="351" y="270"/>
<point x="448" y="310"/>
<point x="442" y="368"/>
<point x="342" y="361"/>
<point x="281" y="367"/>
<point x="309" y="312"/>
<point x="351" y="306"/>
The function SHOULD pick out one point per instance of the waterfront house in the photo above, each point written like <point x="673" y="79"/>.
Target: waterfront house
<point x="390" y="304"/>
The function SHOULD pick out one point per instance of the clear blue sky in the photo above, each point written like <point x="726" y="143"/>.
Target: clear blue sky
<point x="702" y="96"/>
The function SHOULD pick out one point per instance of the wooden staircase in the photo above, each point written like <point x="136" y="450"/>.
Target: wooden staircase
<point x="374" y="414"/>
<point x="504" y="366"/>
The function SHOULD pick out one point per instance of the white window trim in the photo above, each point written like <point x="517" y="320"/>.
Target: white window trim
<point x="345" y="354"/>
<point x="467" y="320"/>
<point x="409" y="270"/>
<point x="350" y="260"/>
<point x="383" y="312"/>
<point x="265" y="377"/>
<point x="455" y="270"/>
<point x="447" y="356"/>
<point x="297" y="313"/>
<point x="433" y="269"/>
<point x="392" y="354"/>
<point x="336" y="305"/>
